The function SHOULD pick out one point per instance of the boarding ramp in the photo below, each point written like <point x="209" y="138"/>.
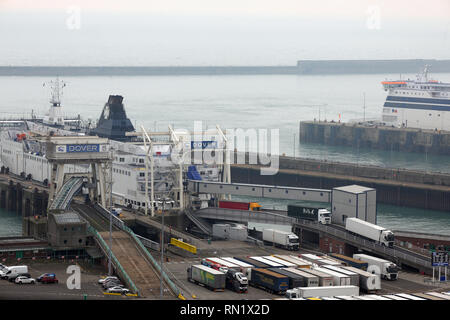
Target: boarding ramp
<point x="65" y="195"/>
<point x="260" y="191"/>
<point x="203" y="226"/>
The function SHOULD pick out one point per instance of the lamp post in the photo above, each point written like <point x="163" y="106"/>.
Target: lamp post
<point x="163" y="202"/>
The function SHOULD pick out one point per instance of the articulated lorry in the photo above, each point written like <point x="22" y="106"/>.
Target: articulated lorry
<point x="370" y="231"/>
<point x="208" y="277"/>
<point x="386" y="269"/>
<point x="236" y="281"/>
<point x="287" y="240"/>
<point x="251" y="206"/>
<point x="322" y="292"/>
<point x="320" y="215"/>
<point x="269" y="281"/>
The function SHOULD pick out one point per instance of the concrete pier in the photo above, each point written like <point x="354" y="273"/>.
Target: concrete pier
<point x="383" y="138"/>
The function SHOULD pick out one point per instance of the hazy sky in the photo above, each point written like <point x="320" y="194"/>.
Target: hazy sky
<point x="208" y="32"/>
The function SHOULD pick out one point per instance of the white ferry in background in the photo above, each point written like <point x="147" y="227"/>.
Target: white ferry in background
<point x="422" y="103"/>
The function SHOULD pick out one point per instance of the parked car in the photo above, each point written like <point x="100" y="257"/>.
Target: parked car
<point x="112" y="284"/>
<point x="117" y="290"/>
<point x="48" y="278"/>
<point x="23" y="279"/>
<point x="38" y="279"/>
<point x="102" y="280"/>
<point x="13" y="276"/>
<point x="110" y="281"/>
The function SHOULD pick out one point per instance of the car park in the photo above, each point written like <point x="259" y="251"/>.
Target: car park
<point x="117" y="290"/>
<point x="23" y="280"/>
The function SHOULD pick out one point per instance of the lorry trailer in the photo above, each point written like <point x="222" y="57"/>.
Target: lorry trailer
<point x="224" y="263"/>
<point x="310" y="280"/>
<point x="295" y="280"/>
<point x="328" y="262"/>
<point x="339" y="279"/>
<point x="370" y="231"/>
<point x="269" y="281"/>
<point x="280" y="261"/>
<point x="369" y="282"/>
<point x="207" y="277"/>
<point x="251" y="206"/>
<point x="322" y="292"/>
<point x="245" y="268"/>
<point x="354" y="277"/>
<point x="386" y="269"/>
<point x="270" y="263"/>
<point x="254" y="263"/>
<point x="311" y="258"/>
<point x="283" y="239"/>
<point x="300" y="263"/>
<point x="321" y="215"/>
<point x="325" y="280"/>
<point x="350" y="261"/>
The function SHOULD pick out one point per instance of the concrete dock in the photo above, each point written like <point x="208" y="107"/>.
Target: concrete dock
<point x="383" y="138"/>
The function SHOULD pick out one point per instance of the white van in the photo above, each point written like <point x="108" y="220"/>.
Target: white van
<point x="15" y="270"/>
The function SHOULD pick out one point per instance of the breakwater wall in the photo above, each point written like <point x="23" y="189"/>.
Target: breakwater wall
<point x="383" y="138"/>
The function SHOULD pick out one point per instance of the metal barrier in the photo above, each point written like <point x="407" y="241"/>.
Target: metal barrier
<point x="107" y="250"/>
<point x="393" y="252"/>
<point x="120" y="224"/>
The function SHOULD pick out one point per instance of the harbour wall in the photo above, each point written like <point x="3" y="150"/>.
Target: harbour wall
<point x="395" y="187"/>
<point x="306" y="67"/>
<point x="383" y="138"/>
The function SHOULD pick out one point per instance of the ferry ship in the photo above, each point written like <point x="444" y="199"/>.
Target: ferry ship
<point x="421" y="103"/>
<point x="22" y="153"/>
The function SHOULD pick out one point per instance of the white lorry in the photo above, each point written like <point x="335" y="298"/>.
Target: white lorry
<point x="368" y="281"/>
<point x="309" y="292"/>
<point x="386" y="269"/>
<point x="371" y="231"/>
<point x="287" y="240"/>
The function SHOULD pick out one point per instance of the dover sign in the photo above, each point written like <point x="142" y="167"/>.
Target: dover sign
<point x="439" y="259"/>
<point x="79" y="148"/>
